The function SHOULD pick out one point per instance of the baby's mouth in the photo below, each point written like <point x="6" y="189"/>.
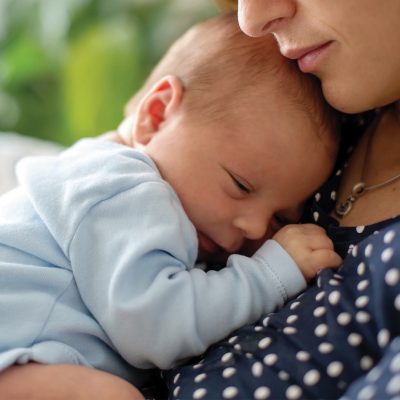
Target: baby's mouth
<point x="211" y="253"/>
<point x="207" y="245"/>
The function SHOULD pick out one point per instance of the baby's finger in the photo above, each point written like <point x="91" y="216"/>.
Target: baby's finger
<point x="311" y="228"/>
<point x="325" y="258"/>
<point x="319" y="242"/>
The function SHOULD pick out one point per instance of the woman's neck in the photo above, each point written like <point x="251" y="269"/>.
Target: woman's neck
<point x="384" y="156"/>
<point x="375" y="160"/>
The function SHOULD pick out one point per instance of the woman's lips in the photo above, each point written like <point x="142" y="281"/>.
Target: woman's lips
<point x="308" y="61"/>
<point x="308" y="57"/>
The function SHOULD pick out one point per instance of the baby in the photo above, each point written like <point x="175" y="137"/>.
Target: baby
<point x="98" y="245"/>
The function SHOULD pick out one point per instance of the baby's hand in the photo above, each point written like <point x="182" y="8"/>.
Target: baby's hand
<point x="310" y="248"/>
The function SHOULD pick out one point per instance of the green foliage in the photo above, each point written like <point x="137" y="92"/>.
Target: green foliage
<point x="67" y="67"/>
<point x="27" y="61"/>
<point x="104" y="67"/>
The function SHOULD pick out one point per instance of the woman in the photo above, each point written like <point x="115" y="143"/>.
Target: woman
<point x="340" y="338"/>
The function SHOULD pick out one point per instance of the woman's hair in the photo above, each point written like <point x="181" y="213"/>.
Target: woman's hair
<point x="227" y="4"/>
<point x="221" y="68"/>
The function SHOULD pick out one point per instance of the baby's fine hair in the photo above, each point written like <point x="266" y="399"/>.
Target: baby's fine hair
<point x="218" y="64"/>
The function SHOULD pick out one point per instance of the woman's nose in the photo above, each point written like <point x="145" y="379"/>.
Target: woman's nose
<point x="259" y="17"/>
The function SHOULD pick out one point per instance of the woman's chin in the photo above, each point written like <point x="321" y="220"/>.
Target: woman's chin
<point x="351" y="99"/>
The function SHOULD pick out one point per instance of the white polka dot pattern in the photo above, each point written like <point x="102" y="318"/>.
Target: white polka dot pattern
<point x="228" y="372"/>
<point x="334" y="369"/>
<point x="303" y="356"/>
<point x="293" y="392"/>
<point x="257" y="369"/>
<point x="270" y="359"/>
<point x="199" y="393"/>
<point x="262" y="393"/>
<point x="230" y="392"/>
<point x="311" y="377"/>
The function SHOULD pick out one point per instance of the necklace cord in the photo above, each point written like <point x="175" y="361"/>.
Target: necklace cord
<point x="359" y="188"/>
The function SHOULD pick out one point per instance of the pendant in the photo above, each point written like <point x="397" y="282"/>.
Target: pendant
<point x="345" y="207"/>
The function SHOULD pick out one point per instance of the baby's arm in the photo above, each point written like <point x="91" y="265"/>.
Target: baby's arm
<point x="139" y="282"/>
<point x="309" y="246"/>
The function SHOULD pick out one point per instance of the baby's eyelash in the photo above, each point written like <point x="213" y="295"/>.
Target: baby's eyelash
<point x="242" y="186"/>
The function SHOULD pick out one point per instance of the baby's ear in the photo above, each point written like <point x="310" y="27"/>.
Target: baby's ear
<point x="157" y="106"/>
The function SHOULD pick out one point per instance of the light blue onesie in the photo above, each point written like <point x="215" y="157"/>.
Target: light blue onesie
<point x="97" y="267"/>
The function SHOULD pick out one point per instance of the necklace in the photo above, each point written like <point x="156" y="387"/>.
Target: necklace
<point x="360" y="187"/>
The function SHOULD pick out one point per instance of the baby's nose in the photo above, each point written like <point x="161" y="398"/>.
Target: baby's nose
<point x="253" y="227"/>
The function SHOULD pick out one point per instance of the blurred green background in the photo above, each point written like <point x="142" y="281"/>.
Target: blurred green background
<point x="67" y="67"/>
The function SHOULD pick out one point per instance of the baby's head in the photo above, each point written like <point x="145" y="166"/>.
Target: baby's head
<point x="241" y="135"/>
